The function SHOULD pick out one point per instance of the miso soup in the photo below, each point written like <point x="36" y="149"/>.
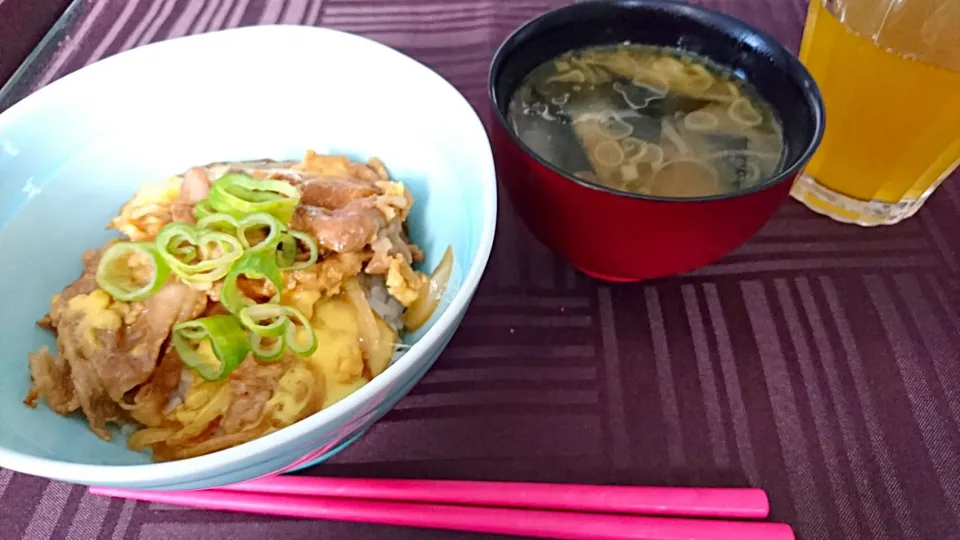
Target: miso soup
<point x="648" y="120"/>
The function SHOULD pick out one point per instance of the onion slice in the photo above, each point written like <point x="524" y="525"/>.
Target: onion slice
<point x="423" y="307"/>
<point x="366" y="320"/>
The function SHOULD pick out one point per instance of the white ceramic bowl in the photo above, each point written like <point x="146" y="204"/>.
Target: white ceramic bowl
<point x="73" y="152"/>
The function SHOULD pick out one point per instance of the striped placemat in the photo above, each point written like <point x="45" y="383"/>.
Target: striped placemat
<point x="820" y="361"/>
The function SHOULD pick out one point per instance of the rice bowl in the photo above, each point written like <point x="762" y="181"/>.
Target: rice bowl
<point x="112" y="150"/>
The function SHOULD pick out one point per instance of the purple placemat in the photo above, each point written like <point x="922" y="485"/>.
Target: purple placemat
<point x="820" y="362"/>
<point x="22" y="24"/>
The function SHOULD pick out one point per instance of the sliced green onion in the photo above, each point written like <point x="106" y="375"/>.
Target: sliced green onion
<point x="289" y="251"/>
<point x="286" y="251"/>
<point x="253" y="195"/>
<point x="193" y="333"/>
<point x="291" y="339"/>
<point x="185" y="252"/>
<point x="177" y="243"/>
<point x="285" y="328"/>
<point x="219" y="251"/>
<point x="118" y="267"/>
<point x="239" y="194"/>
<point x="268" y="320"/>
<point x="226" y="338"/>
<point x="195" y="255"/>
<point x="203" y="209"/>
<point x="255" y="222"/>
<point x="221" y="223"/>
<point x="253" y="265"/>
<point x="266" y="349"/>
<point x="218" y="248"/>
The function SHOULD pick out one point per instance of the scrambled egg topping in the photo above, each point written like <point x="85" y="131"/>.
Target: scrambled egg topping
<point x="99" y="312"/>
<point x="194" y="418"/>
<point x="402" y="282"/>
<point x="339" y="361"/>
<point x="96" y="310"/>
<point x="148" y="211"/>
<point x="295" y="394"/>
<point x="206" y="354"/>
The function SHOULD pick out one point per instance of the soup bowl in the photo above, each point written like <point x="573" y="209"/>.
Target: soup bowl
<point x="72" y="153"/>
<point x="620" y="236"/>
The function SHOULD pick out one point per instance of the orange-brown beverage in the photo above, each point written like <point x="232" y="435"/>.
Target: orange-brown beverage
<point x="889" y="71"/>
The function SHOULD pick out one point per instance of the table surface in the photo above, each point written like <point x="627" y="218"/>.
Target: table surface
<point x="820" y="362"/>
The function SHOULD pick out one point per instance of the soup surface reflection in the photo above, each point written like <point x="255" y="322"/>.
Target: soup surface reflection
<point x="648" y="120"/>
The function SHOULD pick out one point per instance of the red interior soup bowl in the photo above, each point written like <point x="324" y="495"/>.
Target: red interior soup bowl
<point x="627" y="236"/>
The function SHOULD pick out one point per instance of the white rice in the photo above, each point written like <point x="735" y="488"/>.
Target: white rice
<point x="177" y="397"/>
<point x="388" y="307"/>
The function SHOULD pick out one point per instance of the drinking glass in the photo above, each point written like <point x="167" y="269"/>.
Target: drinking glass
<point x="889" y="71"/>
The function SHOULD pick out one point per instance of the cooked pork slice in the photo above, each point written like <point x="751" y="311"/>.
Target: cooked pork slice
<point x="66" y="389"/>
<point x="194" y="188"/>
<point x="391" y="241"/>
<point x="133" y="352"/>
<point x="382" y="249"/>
<point x="346" y="229"/>
<point x="108" y="347"/>
<point x="51" y="381"/>
<point x="333" y="192"/>
<point x="153" y="398"/>
<point x="252" y="385"/>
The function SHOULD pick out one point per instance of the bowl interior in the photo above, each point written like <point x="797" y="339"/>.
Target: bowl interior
<point x="77" y="150"/>
<point x="775" y="73"/>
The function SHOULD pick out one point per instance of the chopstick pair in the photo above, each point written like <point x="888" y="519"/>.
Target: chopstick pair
<point x="564" y="511"/>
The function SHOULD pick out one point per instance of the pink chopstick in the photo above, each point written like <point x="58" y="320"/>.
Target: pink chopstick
<point x="529" y="523"/>
<point x="742" y="503"/>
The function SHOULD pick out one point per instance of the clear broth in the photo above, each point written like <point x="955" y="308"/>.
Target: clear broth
<point x="648" y="120"/>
